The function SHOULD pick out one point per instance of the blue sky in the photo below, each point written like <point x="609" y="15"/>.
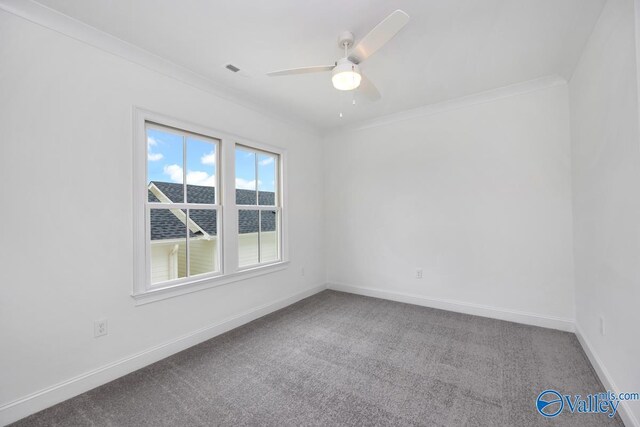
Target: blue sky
<point x="165" y="162"/>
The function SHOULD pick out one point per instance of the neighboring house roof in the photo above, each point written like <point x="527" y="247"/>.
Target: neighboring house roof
<point x="165" y="224"/>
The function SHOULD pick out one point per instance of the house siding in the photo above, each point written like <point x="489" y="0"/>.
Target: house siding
<point x="161" y="261"/>
<point x="204" y="255"/>
<point x="248" y="247"/>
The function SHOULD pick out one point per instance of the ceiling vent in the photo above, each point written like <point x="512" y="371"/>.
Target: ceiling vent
<point x="232" y="67"/>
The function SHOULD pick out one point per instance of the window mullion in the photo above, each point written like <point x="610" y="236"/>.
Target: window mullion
<point x="256" y="175"/>
<point x="258" y="208"/>
<point x="187" y="260"/>
<point x="184" y="169"/>
<point x="219" y="231"/>
<point x="182" y="206"/>
<point x="259" y="236"/>
<point x="229" y="208"/>
<point x="188" y="248"/>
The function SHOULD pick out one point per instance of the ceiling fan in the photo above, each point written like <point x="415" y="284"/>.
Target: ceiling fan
<point x="346" y="73"/>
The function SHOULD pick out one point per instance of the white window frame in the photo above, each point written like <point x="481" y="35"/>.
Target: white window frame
<point x="184" y="205"/>
<point x="258" y="207"/>
<point x="227" y="217"/>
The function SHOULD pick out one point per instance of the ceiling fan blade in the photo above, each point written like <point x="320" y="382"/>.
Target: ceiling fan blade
<point x="368" y="89"/>
<point x="379" y="36"/>
<point x="302" y="70"/>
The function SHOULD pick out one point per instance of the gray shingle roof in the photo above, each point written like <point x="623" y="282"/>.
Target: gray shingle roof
<point x="166" y="225"/>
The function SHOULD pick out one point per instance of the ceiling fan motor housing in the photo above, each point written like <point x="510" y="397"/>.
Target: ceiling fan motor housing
<point x="345" y="37"/>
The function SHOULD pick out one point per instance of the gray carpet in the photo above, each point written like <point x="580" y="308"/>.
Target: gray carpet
<point x="340" y="359"/>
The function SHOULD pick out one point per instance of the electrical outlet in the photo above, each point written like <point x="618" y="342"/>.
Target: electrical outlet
<point x="601" y="325"/>
<point x="419" y="273"/>
<point x="302" y="271"/>
<point x="99" y="328"/>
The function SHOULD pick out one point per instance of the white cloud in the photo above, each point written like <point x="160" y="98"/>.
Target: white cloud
<point x="193" y="177"/>
<point x="209" y="159"/>
<point x="201" y="178"/>
<point x="245" y="184"/>
<point x="174" y="172"/>
<point x="154" y="157"/>
<point x="266" y="161"/>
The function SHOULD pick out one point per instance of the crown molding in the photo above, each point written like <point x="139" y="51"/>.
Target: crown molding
<point x="56" y="21"/>
<point x="78" y="30"/>
<point x="454" y="104"/>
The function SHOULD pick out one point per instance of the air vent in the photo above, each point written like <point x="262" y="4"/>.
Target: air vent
<point x="232" y="67"/>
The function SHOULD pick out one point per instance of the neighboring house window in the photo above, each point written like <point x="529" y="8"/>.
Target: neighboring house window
<point x="209" y="207"/>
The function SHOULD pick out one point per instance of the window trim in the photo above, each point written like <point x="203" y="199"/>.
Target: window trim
<point x="145" y="292"/>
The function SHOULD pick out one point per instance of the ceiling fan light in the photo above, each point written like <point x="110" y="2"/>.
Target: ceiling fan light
<point x="347" y="80"/>
<point x="346" y="75"/>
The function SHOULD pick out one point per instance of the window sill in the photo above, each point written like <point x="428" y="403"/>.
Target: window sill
<point x="206" y="283"/>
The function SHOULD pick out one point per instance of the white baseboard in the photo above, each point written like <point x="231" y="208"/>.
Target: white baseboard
<point x="624" y="410"/>
<point x="49" y="396"/>
<point x="461" y="307"/>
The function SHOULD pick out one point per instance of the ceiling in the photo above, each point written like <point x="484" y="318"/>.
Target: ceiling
<point x="449" y="49"/>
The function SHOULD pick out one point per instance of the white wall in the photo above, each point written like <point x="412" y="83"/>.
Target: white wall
<point x="66" y="173"/>
<point x="478" y="196"/>
<point x="606" y="190"/>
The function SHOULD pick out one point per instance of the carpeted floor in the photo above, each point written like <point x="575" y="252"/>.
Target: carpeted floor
<point x="340" y="359"/>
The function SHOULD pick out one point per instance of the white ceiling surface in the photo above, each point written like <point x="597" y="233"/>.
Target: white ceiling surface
<point x="449" y="49"/>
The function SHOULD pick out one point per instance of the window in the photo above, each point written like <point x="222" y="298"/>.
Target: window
<point x="181" y="204"/>
<point x="258" y="206"/>
<point x="208" y="208"/>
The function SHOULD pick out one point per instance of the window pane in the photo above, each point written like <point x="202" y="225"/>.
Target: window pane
<point x="269" y="236"/>
<point x="164" y="166"/>
<point x="267" y="165"/>
<point x="168" y="244"/>
<point x="245" y="177"/>
<point x="247" y="237"/>
<point x="203" y="241"/>
<point x="201" y="171"/>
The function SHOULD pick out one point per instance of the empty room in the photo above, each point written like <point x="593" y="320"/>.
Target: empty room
<point x="320" y="213"/>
